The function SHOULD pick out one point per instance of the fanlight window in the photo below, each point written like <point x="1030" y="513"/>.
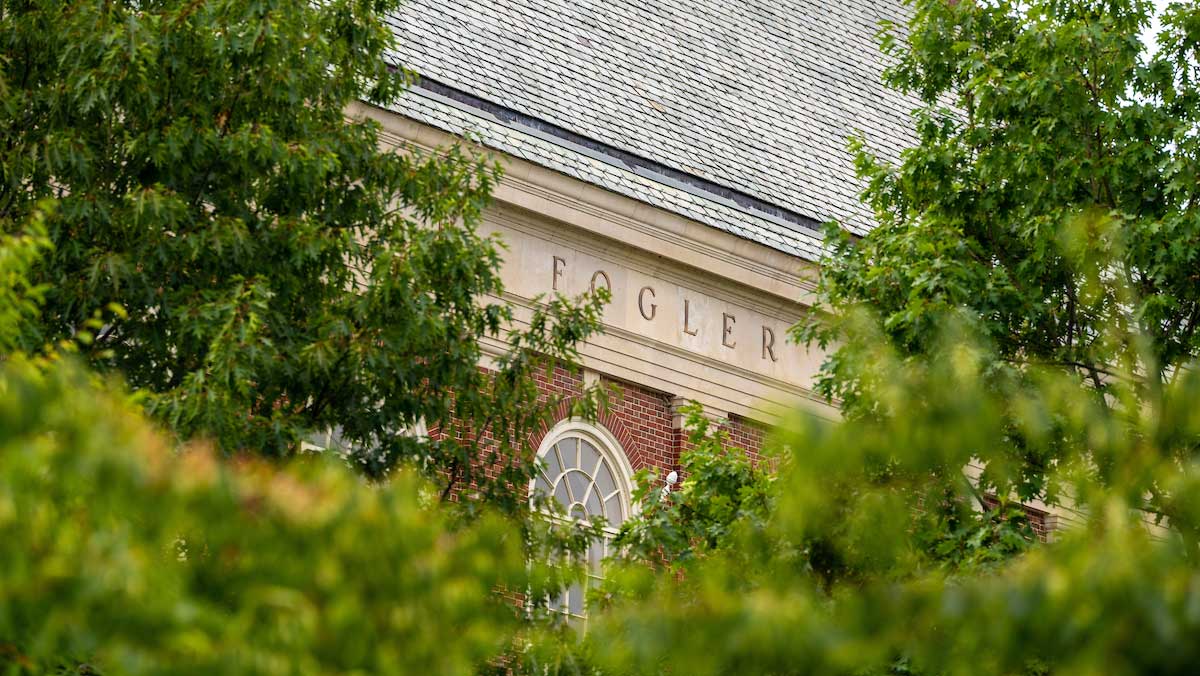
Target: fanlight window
<point x="587" y="479"/>
<point x="582" y="480"/>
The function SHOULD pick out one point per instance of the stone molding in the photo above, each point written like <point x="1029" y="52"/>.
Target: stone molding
<point x="648" y="263"/>
<point x="686" y="374"/>
<point x="540" y="190"/>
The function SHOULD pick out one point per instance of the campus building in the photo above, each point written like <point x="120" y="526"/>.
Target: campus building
<point x="682" y="153"/>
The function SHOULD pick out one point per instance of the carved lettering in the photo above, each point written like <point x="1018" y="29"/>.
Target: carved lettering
<point x="557" y="272"/>
<point x="727" y="322"/>
<point x="642" y="304"/>
<point x="687" y="319"/>
<point x="607" y="282"/>
<point x="647" y="305"/>
<point x="769" y="344"/>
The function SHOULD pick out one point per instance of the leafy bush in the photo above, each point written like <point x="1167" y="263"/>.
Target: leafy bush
<point x="123" y="555"/>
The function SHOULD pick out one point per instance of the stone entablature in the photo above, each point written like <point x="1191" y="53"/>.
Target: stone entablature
<point x="726" y="334"/>
<point x="695" y="312"/>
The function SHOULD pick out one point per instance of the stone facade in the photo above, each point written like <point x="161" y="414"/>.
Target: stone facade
<point x="696" y="315"/>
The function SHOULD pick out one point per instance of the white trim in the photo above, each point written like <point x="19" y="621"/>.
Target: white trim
<point x="611" y="453"/>
<point x="608" y="446"/>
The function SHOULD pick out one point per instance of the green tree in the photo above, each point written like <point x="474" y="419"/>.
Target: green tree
<point x="281" y="272"/>
<point x="127" y="553"/>
<point x="1054" y="156"/>
<point x="1051" y="199"/>
<point x="726" y="504"/>
<point x="722" y="489"/>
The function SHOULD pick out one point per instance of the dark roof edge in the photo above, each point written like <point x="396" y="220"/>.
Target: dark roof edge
<point x="613" y="156"/>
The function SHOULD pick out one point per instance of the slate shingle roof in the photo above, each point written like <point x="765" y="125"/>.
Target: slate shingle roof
<point x="757" y="96"/>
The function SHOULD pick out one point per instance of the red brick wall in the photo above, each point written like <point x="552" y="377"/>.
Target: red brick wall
<point x="641" y="419"/>
<point x="647" y="416"/>
<point x="1037" y="518"/>
<point x="747" y="435"/>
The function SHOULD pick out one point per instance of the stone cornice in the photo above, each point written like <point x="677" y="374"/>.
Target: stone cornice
<point x="541" y="191"/>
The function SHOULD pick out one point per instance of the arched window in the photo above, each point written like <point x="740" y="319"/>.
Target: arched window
<point x="585" y="470"/>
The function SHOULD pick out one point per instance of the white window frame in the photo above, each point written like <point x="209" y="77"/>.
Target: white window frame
<point x="611" y="450"/>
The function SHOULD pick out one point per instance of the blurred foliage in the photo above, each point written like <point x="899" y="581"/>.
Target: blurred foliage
<point x="875" y="555"/>
<point x="19" y="298"/>
<point x="258" y="267"/>
<point x="125" y="555"/>
<point x="129" y="557"/>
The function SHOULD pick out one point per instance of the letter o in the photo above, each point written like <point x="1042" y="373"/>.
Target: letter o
<point x="607" y="281"/>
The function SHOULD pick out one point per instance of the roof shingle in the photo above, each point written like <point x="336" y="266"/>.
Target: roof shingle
<point x="757" y="96"/>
